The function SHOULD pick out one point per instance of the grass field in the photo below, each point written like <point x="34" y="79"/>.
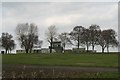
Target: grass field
<point x="29" y="65"/>
<point x="96" y="60"/>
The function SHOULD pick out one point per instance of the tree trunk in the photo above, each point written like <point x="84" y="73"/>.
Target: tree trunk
<point x="78" y="41"/>
<point x="50" y="50"/>
<point x="27" y="50"/>
<point x="6" y="51"/>
<point x="78" y="45"/>
<point x="51" y="44"/>
<point x="93" y="47"/>
<point x="87" y="47"/>
<point x="51" y="47"/>
<point x="103" y="49"/>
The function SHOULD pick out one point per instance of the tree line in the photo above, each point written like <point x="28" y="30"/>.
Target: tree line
<point x="27" y="35"/>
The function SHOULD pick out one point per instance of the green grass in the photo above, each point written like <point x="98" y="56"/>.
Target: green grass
<point x="91" y="60"/>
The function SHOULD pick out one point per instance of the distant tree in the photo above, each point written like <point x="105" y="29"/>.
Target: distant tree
<point x="109" y="37"/>
<point x="76" y="35"/>
<point x="27" y="35"/>
<point x="65" y="39"/>
<point x="93" y="32"/>
<point x="101" y="41"/>
<point x="51" y="35"/>
<point x="7" y="42"/>
<point x="86" y="38"/>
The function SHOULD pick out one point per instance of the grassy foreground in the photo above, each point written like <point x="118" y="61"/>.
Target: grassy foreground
<point x="90" y="60"/>
<point x="13" y="65"/>
<point x="53" y="74"/>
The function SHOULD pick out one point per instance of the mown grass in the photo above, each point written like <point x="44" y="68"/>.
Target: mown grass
<point x="58" y="59"/>
<point x="67" y="59"/>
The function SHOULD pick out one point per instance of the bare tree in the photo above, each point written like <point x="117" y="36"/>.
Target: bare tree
<point x="7" y="42"/>
<point x="65" y="39"/>
<point x="27" y="35"/>
<point x="51" y="35"/>
<point x="76" y="35"/>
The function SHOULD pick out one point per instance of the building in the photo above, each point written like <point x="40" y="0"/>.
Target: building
<point x="45" y="50"/>
<point x="76" y="50"/>
<point x="42" y="50"/>
<point x="57" y="46"/>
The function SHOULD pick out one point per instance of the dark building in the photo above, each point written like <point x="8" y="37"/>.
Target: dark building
<point x="57" y="46"/>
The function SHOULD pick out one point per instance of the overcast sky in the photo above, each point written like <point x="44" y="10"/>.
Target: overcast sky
<point x="65" y="15"/>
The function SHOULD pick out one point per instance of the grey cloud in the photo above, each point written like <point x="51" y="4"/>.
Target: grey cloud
<point x="65" y="15"/>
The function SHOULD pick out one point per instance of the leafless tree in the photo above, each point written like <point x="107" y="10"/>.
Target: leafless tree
<point x="65" y="39"/>
<point x="51" y="35"/>
<point x="27" y="35"/>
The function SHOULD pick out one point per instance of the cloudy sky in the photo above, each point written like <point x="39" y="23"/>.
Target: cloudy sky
<point x="65" y="15"/>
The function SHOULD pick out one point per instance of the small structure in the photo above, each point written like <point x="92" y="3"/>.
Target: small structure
<point x="20" y="51"/>
<point x="45" y="50"/>
<point x="68" y="51"/>
<point x="35" y="50"/>
<point x="57" y="46"/>
<point x="76" y="50"/>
